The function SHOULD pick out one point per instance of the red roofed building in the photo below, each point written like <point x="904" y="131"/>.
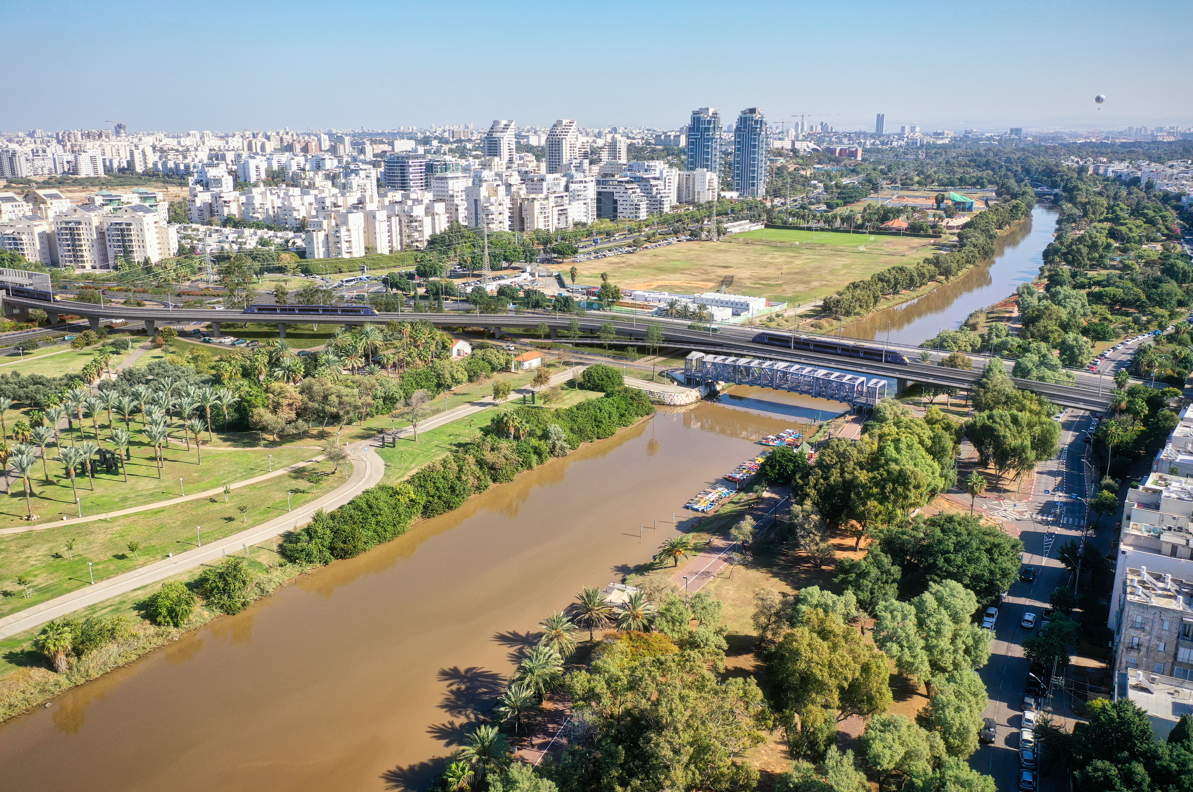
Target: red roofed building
<point x="898" y="224"/>
<point x="528" y="360"/>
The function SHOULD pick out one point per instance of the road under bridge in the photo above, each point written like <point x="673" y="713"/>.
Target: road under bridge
<point x="1087" y="394"/>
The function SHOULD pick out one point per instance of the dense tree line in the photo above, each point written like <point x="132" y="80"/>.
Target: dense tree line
<point x="975" y="243"/>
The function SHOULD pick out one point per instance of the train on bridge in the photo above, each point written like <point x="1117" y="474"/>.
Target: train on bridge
<point x="830" y="346"/>
<point x="312" y="310"/>
<point x="13" y="290"/>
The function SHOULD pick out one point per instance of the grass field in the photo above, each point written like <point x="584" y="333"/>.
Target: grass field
<point x="43" y="557"/>
<point x="817" y="237"/>
<point x="68" y="361"/>
<point x="55" y="499"/>
<point x="795" y="275"/>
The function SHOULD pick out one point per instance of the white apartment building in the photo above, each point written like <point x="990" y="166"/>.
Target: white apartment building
<point x="696" y="186"/>
<point x="379" y="231"/>
<point x="739" y="304"/>
<point x="488" y="205"/>
<point x="137" y="233"/>
<point x="13" y="206"/>
<point x="615" y="149"/>
<point x="563" y="145"/>
<point x="89" y="163"/>
<point x="14" y="164"/>
<point x="450" y="188"/>
<point x="80" y="238"/>
<point x="336" y="235"/>
<point x="252" y="169"/>
<point x="31" y="237"/>
<point x="1157" y="515"/>
<point x="581" y="198"/>
<point x="620" y="198"/>
<point x="48" y="203"/>
<point x="499" y="142"/>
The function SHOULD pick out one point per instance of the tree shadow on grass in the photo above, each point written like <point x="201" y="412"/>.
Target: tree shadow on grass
<point x="470" y="691"/>
<point x="415" y="777"/>
<point x="24" y="658"/>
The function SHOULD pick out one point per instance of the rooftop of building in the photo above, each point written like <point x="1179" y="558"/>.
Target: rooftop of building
<point x="1169" y="486"/>
<point x="1163" y="591"/>
<point x="1165" y="699"/>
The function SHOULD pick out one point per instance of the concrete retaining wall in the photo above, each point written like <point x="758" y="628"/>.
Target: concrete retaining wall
<point x="671" y="397"/>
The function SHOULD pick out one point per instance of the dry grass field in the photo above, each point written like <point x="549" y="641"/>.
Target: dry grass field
<point x="792" y="274"/>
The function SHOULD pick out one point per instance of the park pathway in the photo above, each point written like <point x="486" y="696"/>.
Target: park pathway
<point x="368" y="470"/>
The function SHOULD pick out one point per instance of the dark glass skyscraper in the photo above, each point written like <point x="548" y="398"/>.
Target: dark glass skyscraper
<point x="704" y="140"/>
<point x="751" y="146"/>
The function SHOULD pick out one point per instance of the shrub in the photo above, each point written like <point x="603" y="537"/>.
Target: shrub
<point x="171" y="606"/>
<point x="98" y="631"/>
<point x="168" y="333"/>
<point x="28" y="345"/>
<point x="375" y="516"/>
<point x="226" y="585"/>
<point x="599" y="377"/>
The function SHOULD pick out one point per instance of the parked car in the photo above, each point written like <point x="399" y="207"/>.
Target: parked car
<point x="1027" y="574"/>
<point x="1029" y="703"/>
<point x="1047" y="617"/>
<point x="1029" y="720"/>
<point x="1032" y="686"/>
<point x="988" y="731"/>
<point x="1027" y="759"/>
<point x="1028" y="622"/>
<point x="1027" y="740"/>
<point x="990" y="617"/>
<point x="1027" y="780"/>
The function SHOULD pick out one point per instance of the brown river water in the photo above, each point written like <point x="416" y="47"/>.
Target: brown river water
<point x="364" y="674"/>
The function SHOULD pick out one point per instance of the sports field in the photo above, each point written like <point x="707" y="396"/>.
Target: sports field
<point x="815" y="237"/>
<point x="795" y="274"/>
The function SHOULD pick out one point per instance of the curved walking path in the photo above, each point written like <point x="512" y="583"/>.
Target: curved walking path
<point x="159" y="504"/>
<point x="366" y="473"/>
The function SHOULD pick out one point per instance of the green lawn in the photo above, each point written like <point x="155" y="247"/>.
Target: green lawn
<point x="70" y="361"/>
<point x="42" y="555"/>
<point x="409" y="455"/>
<point x="819" y="237"/>
<point x="13" y="358"/>
<point x="51" y="501"/>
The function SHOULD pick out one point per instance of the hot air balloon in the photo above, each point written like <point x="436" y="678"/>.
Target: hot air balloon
<point x="1100" y="98"/>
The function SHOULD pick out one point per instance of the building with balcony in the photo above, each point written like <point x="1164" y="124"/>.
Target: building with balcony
<point x="1153" y="631"/>
<point x="563" y="145"/>
<point x="499" y="142"/>
<point x="751" y="147"/>
<point x="704" y="140"/>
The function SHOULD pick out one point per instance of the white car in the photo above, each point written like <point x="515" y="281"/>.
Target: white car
<point x="1027" y="740"/>
<point x="990" y="617"/>
<point x="1029" y="720"/>
<point x="1029" y="621"/>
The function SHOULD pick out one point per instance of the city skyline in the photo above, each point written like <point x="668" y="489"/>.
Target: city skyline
<point x="1002" y="72"/>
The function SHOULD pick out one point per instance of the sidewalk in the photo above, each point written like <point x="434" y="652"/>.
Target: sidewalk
<point x="366" y="473"/>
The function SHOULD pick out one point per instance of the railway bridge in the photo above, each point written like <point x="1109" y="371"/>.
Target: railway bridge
<point x="702" y="369"/>
<point x="1086" y="394"/>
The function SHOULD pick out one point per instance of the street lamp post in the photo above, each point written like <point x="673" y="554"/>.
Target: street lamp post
<point x="271" y="463"/>
<point x="183" y="485"/>
<point x="199" y="534"/>
<point x="288" y="501"/>
<point x="91" y="572"/>
<point x="685" y="585"/>
<point x="79" y="503"/>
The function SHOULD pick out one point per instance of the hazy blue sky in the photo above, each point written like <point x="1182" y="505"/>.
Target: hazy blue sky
<point x="227" y="65"/>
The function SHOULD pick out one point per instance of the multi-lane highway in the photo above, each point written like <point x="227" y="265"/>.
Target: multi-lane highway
<point x="1050" y="514"/>
<point x="1087" y="394"/>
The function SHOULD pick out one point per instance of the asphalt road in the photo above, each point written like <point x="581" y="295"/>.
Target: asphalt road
<point x="1053" y="514"/>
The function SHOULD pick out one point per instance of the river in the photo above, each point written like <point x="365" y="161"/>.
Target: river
<point x="1018" y="260"/>
<point x="362" y="675"/>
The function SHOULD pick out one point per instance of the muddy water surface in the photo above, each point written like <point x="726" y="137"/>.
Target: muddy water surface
<point x="363" y="674"/>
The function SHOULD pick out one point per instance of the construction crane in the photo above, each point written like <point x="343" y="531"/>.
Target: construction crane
<point x="801" y="117"/>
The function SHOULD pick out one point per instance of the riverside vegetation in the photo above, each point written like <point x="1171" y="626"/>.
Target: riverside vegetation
<point x="514" y="440"/>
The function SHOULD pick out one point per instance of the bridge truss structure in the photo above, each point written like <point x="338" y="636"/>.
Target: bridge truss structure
<point x="702" y="369"/>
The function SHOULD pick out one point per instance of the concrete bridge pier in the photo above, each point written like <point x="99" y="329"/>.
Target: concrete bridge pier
<point x="150" y="327"/>
<point x="93" y="323"/>
<point x="900" y="385"/>
<point x="281" y="330"/>
<point x="215" y="329"/>
<point x="53" y="317"/>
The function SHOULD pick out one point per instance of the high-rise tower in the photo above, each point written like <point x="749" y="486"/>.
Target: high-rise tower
<point x="704" y="140"/>
<point x="751" y="146"/>
<point x="563" y="145"/>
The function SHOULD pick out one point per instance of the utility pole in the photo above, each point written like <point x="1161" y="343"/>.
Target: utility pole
<point x="486" y="272"/>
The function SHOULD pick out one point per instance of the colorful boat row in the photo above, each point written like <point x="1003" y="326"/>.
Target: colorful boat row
<point x="789" y="438"/>
<point x="707" y="500"/>
<point x="745" y="470"/>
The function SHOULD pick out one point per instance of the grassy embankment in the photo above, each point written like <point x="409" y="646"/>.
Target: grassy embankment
<point x="796" y="275"/>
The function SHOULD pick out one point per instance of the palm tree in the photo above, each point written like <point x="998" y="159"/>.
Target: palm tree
<point x="142" y="393"/>
<point x="54" y="416"/>
<point x="289" y="370"/>
<point x="541" y="670"/>
<point x="370" y="339"/>
<point x="74" y="403"/>
<point x="196" y="427"/>
<point x="127" y="407"/>
<point x="975" y="485"/>
<point x="156" y="435"/>
<point x="5" y="406"/>
<point x="636" y="614"/>
<point x="487" y="750"/>
<point x="43" y="436"/>
<point x="459" y="777"/>
<point x="226" y="398"/>
<point x="95" y="406"/>
<point x="1121" y="378"/>
<point x="559" y="633"/>
<point x="207" y="399"/>
<point x="111" y="401"/>
<point x="70" y="459"/>
<point x="55" y="641"/>
<point x="673" y="306"/>
<point x="22" y="462"/>
<point x="186" y="408"/>
<point x="675" y="548"/>
<point x="592" y="610"/>
<point x="121" y="440"/>
<point x="516" y="703"/>
<point x="87" y="450"/>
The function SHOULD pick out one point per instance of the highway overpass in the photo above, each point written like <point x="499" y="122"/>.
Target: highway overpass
<point x="1087" y="394"/>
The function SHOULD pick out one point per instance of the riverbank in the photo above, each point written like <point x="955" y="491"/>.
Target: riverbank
<point x="30" y="683"/>
<point x="922" y="306"/>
